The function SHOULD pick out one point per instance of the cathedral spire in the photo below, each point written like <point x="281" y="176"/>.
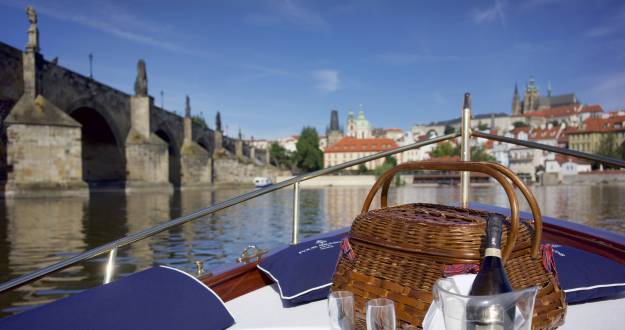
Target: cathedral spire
<point x="516" y="101"/>
<point x="531" y="85"/>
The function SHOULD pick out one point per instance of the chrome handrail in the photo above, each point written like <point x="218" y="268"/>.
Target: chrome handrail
<point x="129" y="239"/>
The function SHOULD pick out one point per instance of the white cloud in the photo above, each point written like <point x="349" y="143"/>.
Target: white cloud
<point x="290" y="11"/>
<point x="599" y="31"/>
<point x="489" y="15"/>
<point x="327" y="80"/>
<point x="112" y="19"/>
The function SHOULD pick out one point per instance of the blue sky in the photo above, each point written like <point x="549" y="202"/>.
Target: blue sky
<point x="273" y="66"/>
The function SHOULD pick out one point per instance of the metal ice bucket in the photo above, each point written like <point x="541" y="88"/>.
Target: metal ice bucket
<point x="507" y="311"/>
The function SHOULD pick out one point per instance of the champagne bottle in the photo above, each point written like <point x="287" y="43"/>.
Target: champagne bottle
<point x="490" y="280"/>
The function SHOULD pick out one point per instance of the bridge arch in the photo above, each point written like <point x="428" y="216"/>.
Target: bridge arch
<point x="118" y="128"/>
<point x="173" y="148"/>
<point x="103" y="159"/>
<point x="206" y="142"/>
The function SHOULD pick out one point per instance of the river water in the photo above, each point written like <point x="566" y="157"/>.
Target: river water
<point x="37" y="232"/>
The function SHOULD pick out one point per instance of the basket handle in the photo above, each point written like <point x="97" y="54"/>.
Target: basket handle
<point x="458" y="166"/>
<point x="529" y="197"/>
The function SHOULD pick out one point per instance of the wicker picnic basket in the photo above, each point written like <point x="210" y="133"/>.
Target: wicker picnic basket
<point x="400" y="251"/>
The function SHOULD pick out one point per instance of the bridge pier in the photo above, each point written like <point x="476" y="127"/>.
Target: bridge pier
<point x="195" y="162"/>
<point x="238" y="149"/>
<point x="218" y="145"/>
<point x="43" y="143"/>
<point x="43" y="150"/>
<point x="268" y="156"/>
<point x="147" y="157"/>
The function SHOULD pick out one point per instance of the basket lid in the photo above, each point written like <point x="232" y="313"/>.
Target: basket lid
<point x="431" y="229"/>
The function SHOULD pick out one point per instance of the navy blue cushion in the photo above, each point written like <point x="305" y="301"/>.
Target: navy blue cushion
<point x="157" y="298"/>
<point x="304" y="271"/>
<point x="586" y="276"/>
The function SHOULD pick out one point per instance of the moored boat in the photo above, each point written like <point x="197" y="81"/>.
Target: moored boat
<point x="261" y="182"/>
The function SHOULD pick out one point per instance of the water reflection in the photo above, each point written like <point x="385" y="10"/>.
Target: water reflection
<point x="40" y="232"/>
<point x="37" y="232"/>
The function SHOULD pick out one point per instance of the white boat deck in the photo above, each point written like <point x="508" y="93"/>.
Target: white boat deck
<point x="262" y="310"/>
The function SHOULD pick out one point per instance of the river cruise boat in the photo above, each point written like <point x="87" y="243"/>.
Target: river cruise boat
<point x="287" y="287"/>
<point x="261" y="182"/>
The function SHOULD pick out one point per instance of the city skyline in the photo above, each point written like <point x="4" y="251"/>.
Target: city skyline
<point x="272" y="67"/>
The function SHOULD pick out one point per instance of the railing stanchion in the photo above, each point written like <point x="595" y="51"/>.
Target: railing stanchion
<point x="295" y="212"/>
<point x="465" y="148"/>
<point x="110" y="266"/>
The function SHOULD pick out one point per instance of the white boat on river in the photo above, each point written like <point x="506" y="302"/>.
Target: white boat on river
<point x="261" y="182"/>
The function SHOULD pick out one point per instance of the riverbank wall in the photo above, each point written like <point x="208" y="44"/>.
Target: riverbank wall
<point x="335" y="180"/>
<point x="344" y="180"/>
<point x="616" y="177"/>
<point x="230" y="170"/>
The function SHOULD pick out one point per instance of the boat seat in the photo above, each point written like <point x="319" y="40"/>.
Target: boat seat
<point x="156" y="298"/>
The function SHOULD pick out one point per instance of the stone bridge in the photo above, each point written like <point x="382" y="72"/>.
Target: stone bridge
<point x="65" y="131"/>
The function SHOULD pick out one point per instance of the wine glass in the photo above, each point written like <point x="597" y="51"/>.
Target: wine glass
<point x="341" y="310"/>
<point x="380" y="314"/>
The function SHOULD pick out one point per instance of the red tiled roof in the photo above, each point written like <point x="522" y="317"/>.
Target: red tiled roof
<point x="350" y="144"/>
<point x="393" y="130"/>
<point x="592" y="108"/>
<point x="613" y="123"/>
<point x="561" y="159"/>
<point x="565" y="110"/>
<point x="544" y="133"/>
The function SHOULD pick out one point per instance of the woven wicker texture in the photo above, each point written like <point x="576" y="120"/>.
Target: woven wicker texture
<point x="402" y="250"/>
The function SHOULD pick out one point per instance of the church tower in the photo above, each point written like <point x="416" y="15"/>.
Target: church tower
<point x="530" y="103"/>
<point x="516" y="101"/>
<point x="351" y="125"/>
<point x="334" y="133"/>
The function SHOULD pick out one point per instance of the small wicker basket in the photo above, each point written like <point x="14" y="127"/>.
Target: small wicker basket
<point x="401" y="251"/>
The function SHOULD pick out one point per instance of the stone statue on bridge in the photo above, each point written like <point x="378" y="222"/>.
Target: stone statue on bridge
<point x="187" y="107"/>
<point x="33" y="31"/>
<point x="218" y="122"/>
<point x="141" y="83"/>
